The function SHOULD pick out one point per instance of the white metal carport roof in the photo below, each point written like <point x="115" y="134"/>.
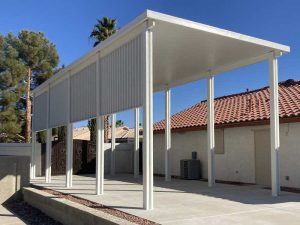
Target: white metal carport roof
<point x="184" y="51"/>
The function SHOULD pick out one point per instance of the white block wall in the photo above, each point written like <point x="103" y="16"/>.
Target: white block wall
<point x="123" y="158"/>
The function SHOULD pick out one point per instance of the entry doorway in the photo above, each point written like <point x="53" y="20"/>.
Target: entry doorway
<point x="262" y="157"/>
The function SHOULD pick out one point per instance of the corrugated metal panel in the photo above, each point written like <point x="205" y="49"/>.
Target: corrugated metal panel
<point x="59" y="104"/>
<point x="121" y="77"/>
<point x="83" y="94"/>
<point x="40" y="112"/>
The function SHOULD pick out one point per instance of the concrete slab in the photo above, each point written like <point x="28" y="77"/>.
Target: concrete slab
<point x="188" y="202"/>
<point x="8" y="218"/>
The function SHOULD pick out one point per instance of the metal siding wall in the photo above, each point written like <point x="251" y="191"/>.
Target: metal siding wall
<point x="83" y="94"/>
<point x="40" y="112"/>
<point x="58" y="104"/>
<point x="121" y="77"/>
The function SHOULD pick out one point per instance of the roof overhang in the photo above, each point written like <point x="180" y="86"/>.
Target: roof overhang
<point x="185" y="51"/>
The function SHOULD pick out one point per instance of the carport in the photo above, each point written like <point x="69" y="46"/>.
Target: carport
<point x="154" y="52"/>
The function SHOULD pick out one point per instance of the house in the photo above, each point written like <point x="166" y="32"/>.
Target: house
<point x="123" y="134"/>
<point x="81" y="133"/>
<point x="242" y="137"/>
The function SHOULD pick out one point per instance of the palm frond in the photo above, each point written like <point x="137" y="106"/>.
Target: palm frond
<point x="103" y="29"/>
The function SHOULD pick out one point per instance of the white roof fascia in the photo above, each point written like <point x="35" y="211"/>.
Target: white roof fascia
<point x="215" y="30"/>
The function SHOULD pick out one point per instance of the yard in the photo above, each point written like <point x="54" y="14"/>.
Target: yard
<point x="187" y="201"/>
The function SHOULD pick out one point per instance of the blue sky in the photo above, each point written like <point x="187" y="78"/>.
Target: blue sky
<point x="68" y="24"/>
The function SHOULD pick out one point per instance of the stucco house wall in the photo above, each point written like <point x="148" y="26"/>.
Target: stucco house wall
<point x="290" y="154"/>
<point x="238" y="161"/>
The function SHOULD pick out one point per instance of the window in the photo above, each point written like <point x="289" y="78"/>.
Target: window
<point x="219" y="141"/>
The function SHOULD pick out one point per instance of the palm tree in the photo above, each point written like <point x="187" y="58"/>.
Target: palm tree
<point x="119" y="123"/>
<point x="102" y="30"/>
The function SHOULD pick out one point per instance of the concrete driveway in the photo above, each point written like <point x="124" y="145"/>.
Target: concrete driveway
<point x="189" y="202"/>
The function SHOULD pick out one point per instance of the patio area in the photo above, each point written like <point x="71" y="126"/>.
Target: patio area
<point x="186" y="201"/>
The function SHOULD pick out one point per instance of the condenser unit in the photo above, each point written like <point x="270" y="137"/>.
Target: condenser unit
<point x="190" y="169"/>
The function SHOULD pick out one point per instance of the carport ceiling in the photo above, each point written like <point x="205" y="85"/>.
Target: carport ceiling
<point x="184" y="51"/>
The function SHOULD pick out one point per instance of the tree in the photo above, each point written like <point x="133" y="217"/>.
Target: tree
<point x="41" y="137"/>
<point x="92" y="128"/>
<point x="102" y="30"/>
<point x="59" y="132"/>
<point x="119" y="123"/>
<point x="26" y="61"/>
<point x="11" y="91"/>
<point x="62" y="133"/>
<point x="40" y="58"/>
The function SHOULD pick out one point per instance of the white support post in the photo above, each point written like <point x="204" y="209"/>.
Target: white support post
<point x="113" y="145"/>
<point x="167" y="134"/>
<point x="100" y="156"/>
<point x="33" y="145"/>
<point x="274" y="124"/>
<point x="33" y="155"/>
<point x="210" y="131"/>
<point x="99" y="135"/>
<point x="148" y="120"/>
<point x="69" y="150"/>
<point x="48" y="155"/>
<point x="48" y="140"/>
<point x="69" y="158"/>
<point x="136" y="143"/>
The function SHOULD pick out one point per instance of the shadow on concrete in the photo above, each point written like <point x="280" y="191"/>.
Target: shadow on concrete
<point x="246" y="194"/>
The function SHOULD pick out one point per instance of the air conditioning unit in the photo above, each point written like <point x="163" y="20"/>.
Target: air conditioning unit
<point x="190" y="169"/>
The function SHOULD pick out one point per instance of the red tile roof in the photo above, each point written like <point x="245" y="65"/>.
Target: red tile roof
<point x="243" y="107"/>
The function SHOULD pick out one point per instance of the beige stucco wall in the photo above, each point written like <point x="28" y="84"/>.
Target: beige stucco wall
<point x="238" y="161"/>
<point x="290" y="154"/>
